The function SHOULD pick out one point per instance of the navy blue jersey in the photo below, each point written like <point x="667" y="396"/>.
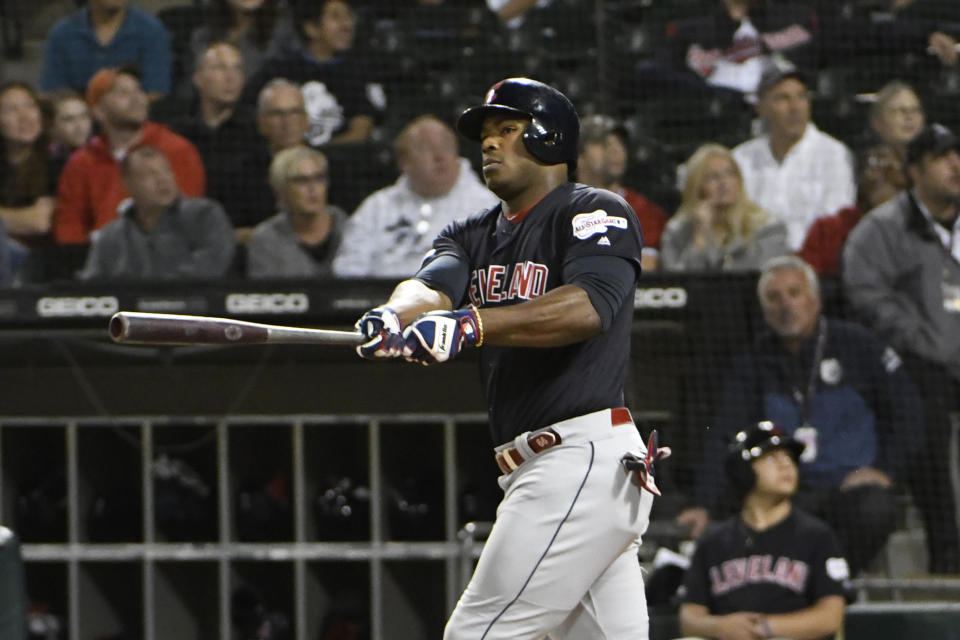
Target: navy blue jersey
<point x="509" y="263"/>
<point x="787" y="567"/>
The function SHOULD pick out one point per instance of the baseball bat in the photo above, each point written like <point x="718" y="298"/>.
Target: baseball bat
<point x="131" y="327"/>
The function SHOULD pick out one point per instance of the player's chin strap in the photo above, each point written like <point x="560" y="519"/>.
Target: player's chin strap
<point x="642" y="468"/>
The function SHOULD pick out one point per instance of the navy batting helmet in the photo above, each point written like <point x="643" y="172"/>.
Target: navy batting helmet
<point x="552" y="135"/>
<point x="750" y="444"/>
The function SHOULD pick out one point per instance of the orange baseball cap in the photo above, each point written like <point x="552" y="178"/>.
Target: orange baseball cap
<point x="102" y="81"/>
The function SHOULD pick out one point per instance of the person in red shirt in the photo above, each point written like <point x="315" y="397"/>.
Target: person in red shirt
<point x="880" y="178"/>
<point x="91" y="186"/>
<point x="602" y="163"/>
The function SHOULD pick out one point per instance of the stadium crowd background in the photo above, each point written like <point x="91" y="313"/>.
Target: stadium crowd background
<point x="239" y="125"/>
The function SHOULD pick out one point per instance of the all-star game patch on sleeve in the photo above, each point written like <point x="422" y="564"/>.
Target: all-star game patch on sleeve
<point x="601" y="223"/>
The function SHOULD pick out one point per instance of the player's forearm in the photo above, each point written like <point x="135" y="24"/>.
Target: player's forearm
<point x="411" y="298"/>
<point x="822" y="619"/>
<point x="562" y="316"/>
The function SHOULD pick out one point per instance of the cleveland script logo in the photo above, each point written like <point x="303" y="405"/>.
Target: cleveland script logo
<point x="588" y="224"/>
<point x="497" y="283"/>
<point x="759" y="569"/>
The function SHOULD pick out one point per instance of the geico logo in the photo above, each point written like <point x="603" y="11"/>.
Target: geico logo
<point x="673" y="297"/>
<point x="268" y="303"/>
<point x="81" y="306"/>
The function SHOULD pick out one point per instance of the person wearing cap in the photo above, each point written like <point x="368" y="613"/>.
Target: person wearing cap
<point x="603" y="163"/>
<point x="91" y="186"/>
<point x="393" y="228"/>
<point x="772" y="570"/>
<point x="794" y="170"/>
<point x="833" y="386"/>
<point x="901" y="276"/>
<point x="106" y="33"/>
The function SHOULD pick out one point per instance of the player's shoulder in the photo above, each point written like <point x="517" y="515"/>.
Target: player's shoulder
<point x="585" y="203"/>
<point x="809" y="527"/>
<point x="847" y="332"/>
<point x="582" y="196"/>
<point x="482" y="220"/>
<point x="719" y="535"/>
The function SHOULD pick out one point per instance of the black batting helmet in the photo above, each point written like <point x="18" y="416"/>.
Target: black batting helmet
<point x="750" y="444"/>
<point x="552" y="135"/>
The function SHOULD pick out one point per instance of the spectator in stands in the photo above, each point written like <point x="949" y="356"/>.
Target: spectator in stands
<point x="91" y="187"/>
<point x="106" y="33"/>
<point x="833" y="386"/>
<point x="394" y="227"/>
<point x="901" y="275"/>
<point x="602" y="162"/>
<point x="771" y="571"/>
<point x="69" y="123"/>
<point x="26" y="186"/>
<point x="159" y="234"/>
<point x="718" y="227"/>
<point x="880" y="178"/>
<point x="336" y="87"/>
<point x="220" y="127"/>
<point x="282" y="123"/>
<point x="259" y="29"/>
<point x="302" y="240"/>
<point x="729" y="48"/>
<point x="896" y="116"/>
<point x="794" y="171"/>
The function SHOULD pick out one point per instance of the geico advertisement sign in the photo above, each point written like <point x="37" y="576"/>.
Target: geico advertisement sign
<point x="657" y="298"/>
<point x="267" y="303"/>
<point x="77" y="306"/>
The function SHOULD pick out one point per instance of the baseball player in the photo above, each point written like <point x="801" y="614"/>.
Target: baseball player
<point x="543" y="283"/>
<point x="772" y="570"/>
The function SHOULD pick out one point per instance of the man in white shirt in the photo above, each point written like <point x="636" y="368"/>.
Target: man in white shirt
<point x="394" y="227"/>
<point x="794" y="171"/>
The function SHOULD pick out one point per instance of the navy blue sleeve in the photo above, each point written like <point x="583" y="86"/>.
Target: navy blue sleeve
<point x="608" y="280"/>
<point x="829" y="572"/>
<point x="446" y="273"/>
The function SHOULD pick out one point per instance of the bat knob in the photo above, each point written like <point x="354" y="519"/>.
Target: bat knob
<point x="118" y="326"/>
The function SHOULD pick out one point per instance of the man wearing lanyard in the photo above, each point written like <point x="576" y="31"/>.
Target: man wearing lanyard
<point x="832" y="386"/>
<point x="901" y="274"/>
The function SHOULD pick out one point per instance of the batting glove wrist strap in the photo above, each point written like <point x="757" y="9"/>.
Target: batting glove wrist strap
<point x="438" y="336"/>
<point x="381" y="327"/>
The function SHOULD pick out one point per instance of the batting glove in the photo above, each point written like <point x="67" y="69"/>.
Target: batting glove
<point x="381" y="327"/>
<point x="438" y="336"/>
<point x="644" y="474"/>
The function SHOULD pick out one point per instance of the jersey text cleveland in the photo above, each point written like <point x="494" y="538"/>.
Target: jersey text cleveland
<point x="499" y="283"/>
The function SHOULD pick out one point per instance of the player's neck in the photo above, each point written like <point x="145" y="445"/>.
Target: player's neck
<point x="533" y="193"/>
<point x="761" y="512"/>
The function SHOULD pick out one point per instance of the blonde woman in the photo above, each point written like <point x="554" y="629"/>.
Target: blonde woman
<point x="717" y="227"/>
